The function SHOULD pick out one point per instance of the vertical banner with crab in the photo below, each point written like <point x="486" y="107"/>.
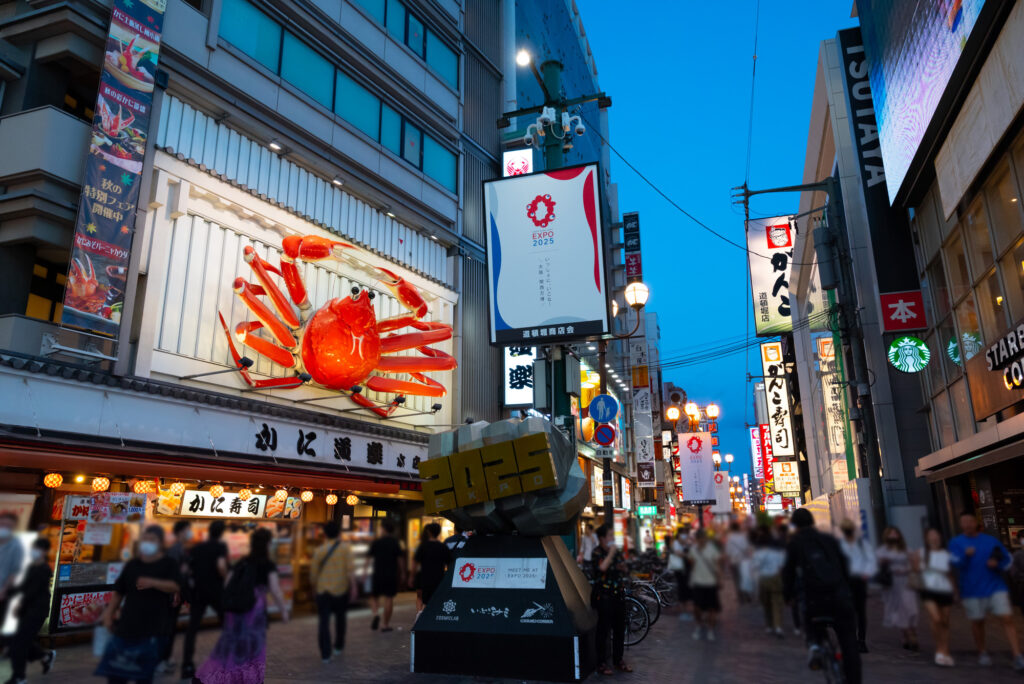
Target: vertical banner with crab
<point x="104" y="228"/>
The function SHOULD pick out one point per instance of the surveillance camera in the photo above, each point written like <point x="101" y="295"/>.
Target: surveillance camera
<point x="580" y="129"/>
<point x="547" y="116"/>
<point x="528" y="140"/>
<point x="566" y="122"/>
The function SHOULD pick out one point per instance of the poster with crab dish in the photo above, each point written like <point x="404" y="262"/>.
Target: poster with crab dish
<point x="94" y="295"/>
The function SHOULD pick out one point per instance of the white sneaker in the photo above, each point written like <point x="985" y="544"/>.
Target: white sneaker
<point x="944" y="660"/>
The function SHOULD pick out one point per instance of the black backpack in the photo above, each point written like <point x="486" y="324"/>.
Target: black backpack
<point x="822" y="569"/>
<point x="240" y="592"/>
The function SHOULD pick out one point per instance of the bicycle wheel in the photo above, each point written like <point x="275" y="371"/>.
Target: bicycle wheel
<point x="651" y="600"/>
<point x="667" y="587"/>
<point x="833" y="661"/>
<point x="638" y="621"/>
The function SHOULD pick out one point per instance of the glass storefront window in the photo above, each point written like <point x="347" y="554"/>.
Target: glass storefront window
<point x="307" y="70"/>
<point x="411" y="144"/>
<point x="414" y="37"/>
<point x="252" y="32"/>
<point x="391" y="129"/>
<point x="965" y="425"/>
<point x="1004" y="203"/>
<point x="928" y="226"/>
<point x="970" y="340"/>
<point x="943" y="417"/>
<point x="979" y="242"/>
<point x="948" y="350"/>
<point x="357" y="105"/>
<point x="993" y="307"/>
<point x="439" y="163"/>
<point x="939" y="289"/>
<point x="936" y="381"/>
<point x="1012" y="266"/>
<point x="956" y="264"/>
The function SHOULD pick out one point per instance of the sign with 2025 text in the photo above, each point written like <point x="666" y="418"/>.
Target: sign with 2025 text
<point x="500" y="573"/>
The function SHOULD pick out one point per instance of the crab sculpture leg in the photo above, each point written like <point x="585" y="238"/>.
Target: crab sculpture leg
<point x="288" y="344"/>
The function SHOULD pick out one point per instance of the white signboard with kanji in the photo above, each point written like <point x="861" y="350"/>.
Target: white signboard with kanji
<point x="776" y="390"/>
<point x="832" y="395"/>
<point x="197" y="503"/>
<point x="787" y="477"/>
<point x="545" y="257"/>
<point x="643" y="421"/>
<point x="770" y="251"/>
<point x="519" y="375"/>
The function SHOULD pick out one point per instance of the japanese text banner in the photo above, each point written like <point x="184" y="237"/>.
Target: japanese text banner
<point x="770" y="251"/>
<point x="94" y="296"/>
<point x="776" y="390"/>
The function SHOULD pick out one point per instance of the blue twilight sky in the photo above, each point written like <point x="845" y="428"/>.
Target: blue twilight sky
<point x="679" y="77"/>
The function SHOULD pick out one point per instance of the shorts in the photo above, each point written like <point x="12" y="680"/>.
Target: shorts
<point x="977" y="607"/>
<point x="706" y="598"/>
<point x="941" y="599"/>
<point x="384" y="586"/>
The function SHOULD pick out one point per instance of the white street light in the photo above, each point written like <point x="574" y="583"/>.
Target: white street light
<point x="523" y="58"/>
<point x="637" y="294"/>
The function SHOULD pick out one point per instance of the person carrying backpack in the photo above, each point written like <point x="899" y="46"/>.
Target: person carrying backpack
<point x="240" y="655"/>
<point x="815" y="575"/>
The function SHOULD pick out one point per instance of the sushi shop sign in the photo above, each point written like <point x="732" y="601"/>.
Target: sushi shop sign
<point x="997" y="375"/>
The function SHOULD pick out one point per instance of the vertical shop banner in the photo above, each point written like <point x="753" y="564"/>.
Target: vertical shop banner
<point x="770" y="251"/>
<point x="755" y="453"/>
<point x="545" y="260"/>
<point x="787" y="477"/>
<point x="767" y="457"/>
<point x="832" y="395"/>
<point x="697" y="468"/>
<point x="643" y="421"/>
<point x="518" y="380"/>
<point x="723" y="500"/>
<point x="776" y="390"/>
<point x="631" y="249"/>
<point x="105" y="226"/>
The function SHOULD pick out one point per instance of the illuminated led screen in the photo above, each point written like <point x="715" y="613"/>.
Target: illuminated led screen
<point x="913" y="47"/>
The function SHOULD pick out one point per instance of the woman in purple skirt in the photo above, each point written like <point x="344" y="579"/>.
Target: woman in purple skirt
<point x="240" y="656"/>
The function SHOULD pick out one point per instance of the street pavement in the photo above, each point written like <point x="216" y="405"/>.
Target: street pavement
<point x="742" y="653"/>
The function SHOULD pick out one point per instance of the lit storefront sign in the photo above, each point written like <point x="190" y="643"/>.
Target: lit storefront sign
<point x="776" y="391"/>
<point x="909" y="354"/>
<point x="787" y="477"/>
<point x="770" y="250"/>
<point x="519" y="375"/>
<point x="832" y="395"/>
<point x="643" y="422"/>
<point x="697" y="469"/>
<point x="517" y="162"/>
<point x="755" y="453"/>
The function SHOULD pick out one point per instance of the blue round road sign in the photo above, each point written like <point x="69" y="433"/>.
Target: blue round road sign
<point x="603" y="408"/>
<point x="604" y="434"/>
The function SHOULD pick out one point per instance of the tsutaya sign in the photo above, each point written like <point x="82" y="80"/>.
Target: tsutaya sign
<point x="770" y="250"/>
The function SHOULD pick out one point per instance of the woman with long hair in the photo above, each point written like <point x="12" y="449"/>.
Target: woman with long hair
<point x="898" y="599"/>
<point x="937" y="592"/>
<point x="240" y="656"/>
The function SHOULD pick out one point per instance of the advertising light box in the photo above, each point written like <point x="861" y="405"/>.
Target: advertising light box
<point x="770" y="251"/>
<point x="545" y="262"/>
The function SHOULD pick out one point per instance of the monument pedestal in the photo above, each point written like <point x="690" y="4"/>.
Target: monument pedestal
<point x="510" y="606"/>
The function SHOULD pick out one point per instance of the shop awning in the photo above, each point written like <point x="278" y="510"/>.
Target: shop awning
<point x="135" y="464"/>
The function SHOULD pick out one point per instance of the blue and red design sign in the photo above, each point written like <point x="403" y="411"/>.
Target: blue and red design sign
<point x="604" y="435"/>
<point x="105" y="226"/>
<point x="545" y="257"/>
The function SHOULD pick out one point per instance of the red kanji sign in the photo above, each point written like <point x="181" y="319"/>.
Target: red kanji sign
<point x="634" y="267"/>
<point x="903" y="311"/>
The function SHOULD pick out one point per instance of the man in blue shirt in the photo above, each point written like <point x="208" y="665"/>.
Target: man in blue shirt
<point x="980" y="560"/>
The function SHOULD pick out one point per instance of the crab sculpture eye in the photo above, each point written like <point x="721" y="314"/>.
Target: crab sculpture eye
<point x="370" y="294"/>
<point x="355" y="292"/>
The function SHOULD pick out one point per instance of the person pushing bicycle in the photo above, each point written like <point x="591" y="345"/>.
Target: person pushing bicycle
<point x="816" y="576"/>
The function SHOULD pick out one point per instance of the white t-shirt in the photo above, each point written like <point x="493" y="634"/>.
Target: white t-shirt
<point x="587" y="546"/>
<point x="705" y="564"/>
<point x="736" y="547"/>
<point x="935" y="575"/>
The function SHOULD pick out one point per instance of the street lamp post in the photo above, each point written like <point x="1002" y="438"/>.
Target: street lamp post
<point x="636" y="295"/>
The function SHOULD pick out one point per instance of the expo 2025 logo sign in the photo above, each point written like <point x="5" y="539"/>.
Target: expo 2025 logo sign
<point x="467" y="571"/>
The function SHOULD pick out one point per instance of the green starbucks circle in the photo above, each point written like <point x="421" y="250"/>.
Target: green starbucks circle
<point x="909" y="354"/>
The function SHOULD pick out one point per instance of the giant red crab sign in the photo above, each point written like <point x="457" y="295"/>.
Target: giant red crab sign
<point x="340" y="345"/>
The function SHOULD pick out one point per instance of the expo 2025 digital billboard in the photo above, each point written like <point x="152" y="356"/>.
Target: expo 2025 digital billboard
<point x="913" y="47"/>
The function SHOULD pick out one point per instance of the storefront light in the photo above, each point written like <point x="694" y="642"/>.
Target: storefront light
<point x="178" y="488"/>
<point x="306" y="496"/>
<point x="217" y="491"/>
<point x="141" y="486"/>
<point x="351" y="499"/>
<point x="331" y="499"/>
<point x="79" y="479"/>
<point x="100" y="484"/>
<point x="53" y="480"/>
<point x="281" y="494"/>
<point x="244" y="494"/>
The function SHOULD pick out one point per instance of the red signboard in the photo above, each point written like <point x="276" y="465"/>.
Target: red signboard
<point x="903" y="311"/>
<point x="766" y="451"/>
<point x="634" y="267"/>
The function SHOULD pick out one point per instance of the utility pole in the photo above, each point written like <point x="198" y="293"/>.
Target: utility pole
<point x="834" y="260"/>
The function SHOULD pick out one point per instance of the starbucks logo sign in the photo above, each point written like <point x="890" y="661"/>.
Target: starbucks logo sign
<point x="909" y="354"/>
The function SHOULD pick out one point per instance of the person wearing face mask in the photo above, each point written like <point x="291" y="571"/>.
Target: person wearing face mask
<point x="860" y="558"/>
<point x="12" y="555"/>
<point x="899" y="602"/>
<point x="32" y="611"/>
<point x="176" y="551"/>
<point x="139" y="611"/>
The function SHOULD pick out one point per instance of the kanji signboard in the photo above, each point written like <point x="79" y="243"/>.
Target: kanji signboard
<point x="755" y="453"/>
<point x="776" y="391"/>
<point x="643" y="421"/>
<point x="832" y="394"/>
<point x="787" y="477"/>
<point x="903" y="311"/>
<point x="519" y="376"/>
<point x="770" y="250"/>
<point x="631" y="249"/>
